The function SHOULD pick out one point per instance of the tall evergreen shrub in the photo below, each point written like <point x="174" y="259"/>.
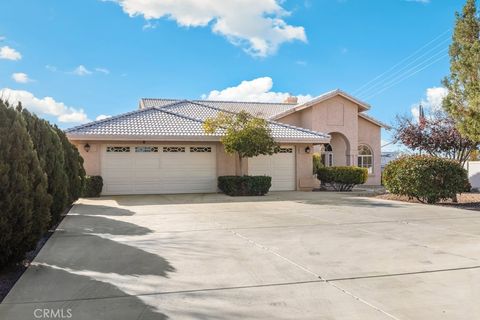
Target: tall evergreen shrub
<point x="73" y="167"/>
<point x="49" y="148"/>
<point x="24" y="201"/>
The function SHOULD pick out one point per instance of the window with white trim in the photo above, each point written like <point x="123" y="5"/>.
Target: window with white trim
<point x="365" y="157"/>
<point x="327" y="155"/>
<point x="143" y="149"/>
<point x="118" y="149"/>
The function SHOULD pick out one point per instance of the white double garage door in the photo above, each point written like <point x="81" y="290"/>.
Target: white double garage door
<point x="162" y="169"/>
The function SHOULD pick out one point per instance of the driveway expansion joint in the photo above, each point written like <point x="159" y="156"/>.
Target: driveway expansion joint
<point x="337" y="287"/>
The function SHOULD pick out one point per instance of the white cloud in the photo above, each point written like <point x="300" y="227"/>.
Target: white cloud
<point x="3" y="38"/>
<point x="431" y="102"/>
<point x="44" y="106"/>
<point x="254" y="90"/>
<point x="9" y="53"/>
<point x="256" y="25"/>
<point x="81" y="71"/>
<point x="102" y="117"/>
<point x="102" y="70"/>
<point x="51" y="68"/>
<point x="21" y="77"/>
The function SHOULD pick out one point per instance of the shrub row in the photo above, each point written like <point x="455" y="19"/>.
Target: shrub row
<point x="342" y="178"/>
<point x="244" y="185"/>
<point x="41" y="174"/>
<point x="425" y="178"/>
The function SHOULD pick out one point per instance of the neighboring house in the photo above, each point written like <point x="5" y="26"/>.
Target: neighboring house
<point x="388" y="156"/>
<point x="162" y="148"/>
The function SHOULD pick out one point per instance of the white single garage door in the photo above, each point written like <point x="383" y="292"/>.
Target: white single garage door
<point x="157" y="169"/>
<point x="280" y="166"/>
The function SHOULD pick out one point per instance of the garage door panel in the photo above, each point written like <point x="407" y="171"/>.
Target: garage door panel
<point x="279" y="166"/>
<point x="147" y="163"/>
<point x="165" y="170"/>
<point x="121" y="163"/>
<point x="118" y="188"/>
<point x="148" y="188"/>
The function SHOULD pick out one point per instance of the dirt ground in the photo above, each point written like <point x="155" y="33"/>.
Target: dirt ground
<point x="470" y="201"/>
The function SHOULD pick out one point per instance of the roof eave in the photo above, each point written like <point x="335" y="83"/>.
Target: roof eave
<point x="375" y="121"/>
<point x="363" y="106"/>
<point x="97" y="137"/>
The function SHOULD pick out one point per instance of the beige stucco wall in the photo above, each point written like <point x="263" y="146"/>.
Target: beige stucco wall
<point x="370" y="134"/>
<point x="304" y="165"/>
<point x="226" y="164"/>
<point x="339" y="117"/>
<point x="92" y="159"/>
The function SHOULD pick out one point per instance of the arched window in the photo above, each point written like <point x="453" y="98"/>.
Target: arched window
<point x="327" y="155"/>
<point x="365" y="157"/>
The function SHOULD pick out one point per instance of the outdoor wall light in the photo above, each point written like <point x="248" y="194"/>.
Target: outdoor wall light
<point x="307" y="150"/>
<point x="86" y="147"/>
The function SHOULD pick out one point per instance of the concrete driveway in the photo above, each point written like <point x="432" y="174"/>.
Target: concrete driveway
<point x="284" y="256"/>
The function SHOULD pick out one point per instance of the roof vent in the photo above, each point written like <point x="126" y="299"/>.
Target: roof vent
<point x="291" y="99"/>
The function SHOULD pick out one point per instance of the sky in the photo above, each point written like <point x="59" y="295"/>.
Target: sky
<point x="80" y="60"/>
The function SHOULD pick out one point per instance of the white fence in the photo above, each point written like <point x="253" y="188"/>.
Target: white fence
<point x="473" y="168"/>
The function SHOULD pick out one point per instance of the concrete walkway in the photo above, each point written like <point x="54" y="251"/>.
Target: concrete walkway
<point x="284" y="256"/>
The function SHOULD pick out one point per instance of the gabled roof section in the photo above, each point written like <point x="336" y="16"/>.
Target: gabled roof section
<point x="279" y="130"/>
<point x="150" y="123"/>
<point x="264" y="110"/>
<point x="177" y="121"/>
<point x="363" y="105"/>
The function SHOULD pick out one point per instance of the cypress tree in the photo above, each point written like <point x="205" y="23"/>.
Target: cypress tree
<point x="50" y="153"/>
<point x="463" y="84"/>
<point x="73" y="167"/>
<point x="24" y="201"/>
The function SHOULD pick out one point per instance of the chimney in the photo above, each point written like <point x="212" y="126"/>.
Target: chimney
<point x="291" y="99"/>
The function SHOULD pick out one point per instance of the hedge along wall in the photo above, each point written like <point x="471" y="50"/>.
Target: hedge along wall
<point x="37" y="181"/>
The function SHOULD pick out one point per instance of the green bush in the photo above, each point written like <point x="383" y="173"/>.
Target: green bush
<point x="24" y="201"/>
<point x="425" y="178"/>
<point x="317" y="162"/>
<point x="73" y="168"/>
<point x="93" y="186"/>
<point x="48" y="146"/>
<point x="245" y="185"/>
<point x="342" y="178"/>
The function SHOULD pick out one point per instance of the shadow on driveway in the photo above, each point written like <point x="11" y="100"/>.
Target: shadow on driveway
<point x="84" y="266"/>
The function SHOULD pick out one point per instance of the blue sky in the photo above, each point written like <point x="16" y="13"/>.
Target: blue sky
<point x="72" y="61"/>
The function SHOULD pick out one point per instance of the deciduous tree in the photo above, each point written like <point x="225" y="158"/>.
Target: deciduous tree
<point x="435" y="135"/>
<point x="242" y="134"/>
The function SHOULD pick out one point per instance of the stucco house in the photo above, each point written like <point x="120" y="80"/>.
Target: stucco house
<point x="162" y="148"/>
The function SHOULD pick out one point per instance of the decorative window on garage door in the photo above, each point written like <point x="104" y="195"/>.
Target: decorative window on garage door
<point x="118" y="149"/>
<point x="285" y="150"/>
<point x="200" y="149"/>
<point x="173" y="149"/>
<point x="146" y="149"/>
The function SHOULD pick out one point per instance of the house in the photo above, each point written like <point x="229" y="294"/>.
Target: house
<point x="388" y="156"/>
<point x="162" y="148"/>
